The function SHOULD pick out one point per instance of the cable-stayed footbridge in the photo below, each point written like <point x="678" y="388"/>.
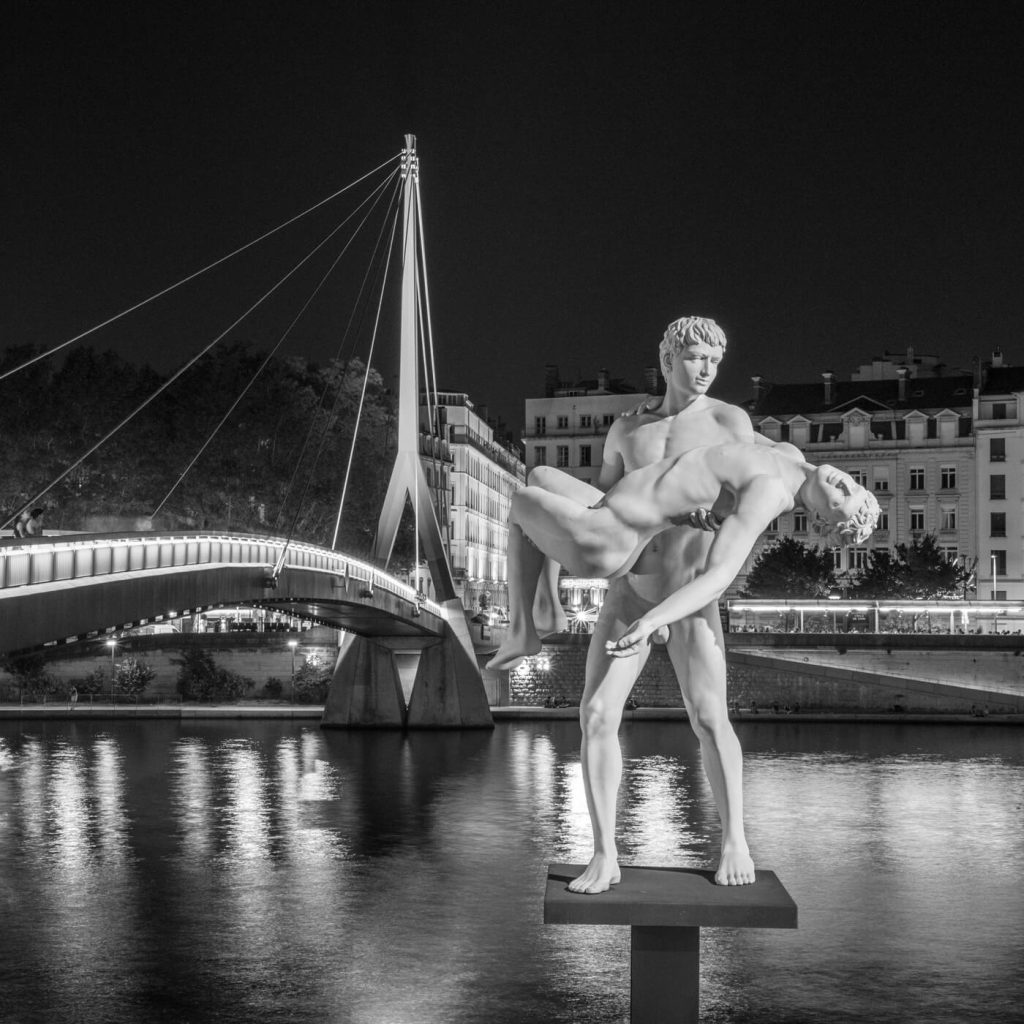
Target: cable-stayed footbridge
<point x="81" y="586"/>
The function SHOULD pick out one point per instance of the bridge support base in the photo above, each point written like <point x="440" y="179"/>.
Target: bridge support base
<point x="447" y="692"/>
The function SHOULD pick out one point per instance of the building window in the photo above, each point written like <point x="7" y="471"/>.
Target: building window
<point x="837" y="558"/>
<point x="540" y="425"/>
<point x="883" y="519"/>
<point x="881" y="479"/>
<point x="997" y="486"/>
<point x="859" y="477"/>
<point x="947" y="517"/>
<point x="997" y="449"/>
<point x="562" y="456"/>
<point x="563" y="422"/>
<point x="540" y="455"/>
<point x="999" y="562"/>
<point x="998" y="524"/>
<point x="607" y="419"/>
<point x="773" y="526"/>
<point x="916" y="518"/>
<point x="799" y="522"/>
<point x="585" y="455"/>
<point x="858" y="558"/>
<point x="917" y="478"/>
<point x="950" y="553"/>
<point x="999" y="411"/>
<point x="947" y="478"/>
<point x="586" y="422"/>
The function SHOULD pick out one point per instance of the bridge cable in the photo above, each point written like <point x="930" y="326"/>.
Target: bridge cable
<point x="357" y="307"/>
<point x="362" y="394"/>
<point x="191" y="277"/>
<point x="178" y="373"/>
<point x="378" y="192"/>
<point x="337" y="398"/>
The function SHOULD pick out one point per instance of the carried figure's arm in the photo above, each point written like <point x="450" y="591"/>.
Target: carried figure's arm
<point x="759" y="504"/>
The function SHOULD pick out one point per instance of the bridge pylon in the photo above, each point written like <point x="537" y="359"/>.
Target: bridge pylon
<point x="448" y="690"/>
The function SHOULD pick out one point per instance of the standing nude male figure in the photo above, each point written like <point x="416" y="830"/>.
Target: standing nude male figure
<point x="686" y="418"/>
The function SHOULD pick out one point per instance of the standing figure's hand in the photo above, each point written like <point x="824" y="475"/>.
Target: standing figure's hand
<point x="629" y="643"/>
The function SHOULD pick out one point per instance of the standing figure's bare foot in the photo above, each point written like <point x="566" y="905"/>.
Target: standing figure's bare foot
<point x="513" y="650"/>
<point x="601" y="874"/>
<point x="736" y="867"/>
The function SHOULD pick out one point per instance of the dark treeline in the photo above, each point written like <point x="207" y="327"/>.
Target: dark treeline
<point x="276" y="465"/>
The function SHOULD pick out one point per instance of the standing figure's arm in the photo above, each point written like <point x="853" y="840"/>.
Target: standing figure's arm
<point x="760" y="502"/>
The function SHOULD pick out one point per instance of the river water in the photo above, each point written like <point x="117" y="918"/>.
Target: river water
<point x="266" y="872"/>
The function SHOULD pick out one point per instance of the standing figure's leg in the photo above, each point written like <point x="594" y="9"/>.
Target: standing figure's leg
<point x="608" y="682"/>
<point x="697" y="650"/>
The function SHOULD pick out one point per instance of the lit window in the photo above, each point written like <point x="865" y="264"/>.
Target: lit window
<point x="917" y="478"/>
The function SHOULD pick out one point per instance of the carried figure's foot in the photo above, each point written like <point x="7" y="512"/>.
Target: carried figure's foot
<point x="513" y="650"/>
<point x="736" y="866"/>
<point x="601" y="874"/>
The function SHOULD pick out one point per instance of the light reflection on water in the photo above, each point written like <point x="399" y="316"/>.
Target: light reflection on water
<point x="273" y="872"/>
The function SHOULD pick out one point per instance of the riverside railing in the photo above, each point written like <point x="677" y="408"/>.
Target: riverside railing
<point x="46" y="560"/>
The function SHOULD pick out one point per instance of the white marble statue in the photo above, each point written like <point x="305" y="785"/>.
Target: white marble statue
<point x="663" y="468"/>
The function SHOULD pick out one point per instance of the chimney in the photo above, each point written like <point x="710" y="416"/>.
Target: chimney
<point x="602" y="380"/>
<point x="550" y="380"/>
<point x="901" y="372"/>
<point x="759" y="389"/>
<point x="997" y="357"/>
<point x="829" y="377"/>
<point x="652" y="379"/>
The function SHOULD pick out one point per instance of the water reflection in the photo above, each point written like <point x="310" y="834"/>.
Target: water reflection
<point x="273" y="872"/>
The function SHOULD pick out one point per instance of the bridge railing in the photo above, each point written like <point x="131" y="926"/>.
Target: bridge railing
<point x="45" y="560"/>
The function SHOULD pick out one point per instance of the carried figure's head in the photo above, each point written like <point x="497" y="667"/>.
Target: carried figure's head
<point x="688" y="330"/>
<point x="844" y="511"/>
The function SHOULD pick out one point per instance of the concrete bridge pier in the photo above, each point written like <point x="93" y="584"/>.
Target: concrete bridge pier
<point x="370" y="688"/>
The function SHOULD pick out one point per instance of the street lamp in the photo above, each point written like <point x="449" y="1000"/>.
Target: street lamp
<point x="293" y="644"/>
<point x="112" y="644"/>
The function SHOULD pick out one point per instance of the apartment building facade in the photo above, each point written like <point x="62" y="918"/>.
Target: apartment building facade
<point x="477" y="490"/>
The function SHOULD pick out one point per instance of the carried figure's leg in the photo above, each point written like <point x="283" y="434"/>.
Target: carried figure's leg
<point x="697" y="650"/>
<point x="608" y="683"/>
<point x="548" y="615"/>
<point x="525" y="565"/>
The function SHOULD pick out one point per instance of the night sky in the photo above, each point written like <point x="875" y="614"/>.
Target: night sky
<point x="828" y="181"/>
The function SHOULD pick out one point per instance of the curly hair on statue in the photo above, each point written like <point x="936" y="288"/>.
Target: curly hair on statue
<point x="688" y="330"/>
<point x="857" y="527"/>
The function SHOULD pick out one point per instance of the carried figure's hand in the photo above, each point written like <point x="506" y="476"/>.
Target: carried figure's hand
<point x="705" y="519"/>
<point x="630" y="642"/>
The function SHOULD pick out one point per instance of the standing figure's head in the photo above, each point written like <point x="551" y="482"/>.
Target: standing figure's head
<point x="844" y="511"/>
<point x="700" y="342"/>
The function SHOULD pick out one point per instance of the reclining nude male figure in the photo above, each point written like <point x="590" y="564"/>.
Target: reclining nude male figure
<point x="685" y="419"/>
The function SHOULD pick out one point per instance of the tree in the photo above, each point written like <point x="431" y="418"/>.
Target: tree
<point x="917" y="571"/>
<point x="132" y="676"/>
<point x="789" y="568"/>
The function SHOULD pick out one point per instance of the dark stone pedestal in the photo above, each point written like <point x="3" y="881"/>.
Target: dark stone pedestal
<point x="665" y="909"/>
